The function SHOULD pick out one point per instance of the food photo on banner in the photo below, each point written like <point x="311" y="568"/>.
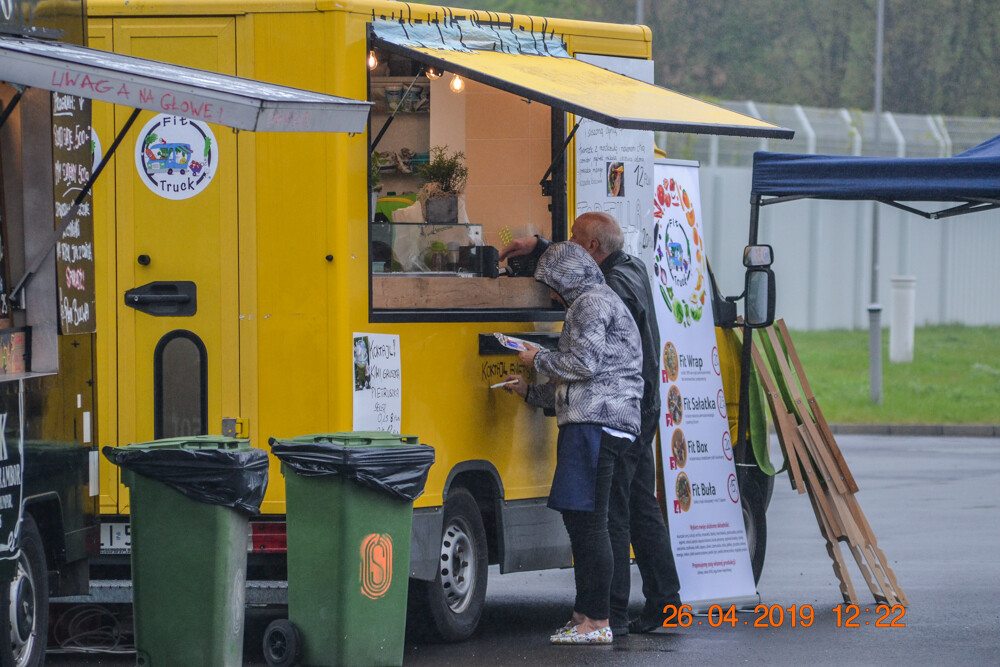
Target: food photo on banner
<point x="707" y="533"/>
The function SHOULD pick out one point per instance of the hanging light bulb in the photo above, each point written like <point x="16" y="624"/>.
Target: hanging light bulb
<point x="372" y="60"/>
<point x="432" y="73"/>
<point x="457" y="84"/>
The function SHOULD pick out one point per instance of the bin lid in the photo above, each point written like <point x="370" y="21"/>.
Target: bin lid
<point x="396" y="464"/>
<point x="227" y="443"/>
<point x="354" y="439"/>
<point x="210" y="469"/>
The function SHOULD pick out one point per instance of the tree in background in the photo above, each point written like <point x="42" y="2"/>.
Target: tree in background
<point x="941" y="56"/>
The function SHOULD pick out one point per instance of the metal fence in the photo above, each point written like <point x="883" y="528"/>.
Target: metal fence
<point x="823" y="248"/>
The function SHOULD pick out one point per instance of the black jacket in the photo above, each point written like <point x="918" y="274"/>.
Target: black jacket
<point x="626" y="276"/>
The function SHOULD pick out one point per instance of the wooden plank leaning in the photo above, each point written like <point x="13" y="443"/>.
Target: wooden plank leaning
<point x="870" y="569"/>
<point x="829" y="526"/>
<point x="849" y="509"/>
<point x="782" y="418"/>
<point x="816" y="465"/>
<point x="830" y="469"/>
<point x="833" y="550"/>
<point x="821" y="423"/>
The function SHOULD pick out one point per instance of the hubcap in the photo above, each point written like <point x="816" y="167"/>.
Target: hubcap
<point x="277" y="646"/>
<point x="458" y="570"/>
<point x="22" y="611"/>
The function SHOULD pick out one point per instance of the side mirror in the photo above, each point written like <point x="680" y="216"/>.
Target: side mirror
<point x="759" y="305"/>
<point x="758" y="255"/>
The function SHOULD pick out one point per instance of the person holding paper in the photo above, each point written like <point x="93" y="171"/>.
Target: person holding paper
<point x="634" y="514"/>
<point x="595" y="391"/>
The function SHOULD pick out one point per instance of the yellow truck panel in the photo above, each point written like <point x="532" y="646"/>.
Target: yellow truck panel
<point x="279" y="246"/>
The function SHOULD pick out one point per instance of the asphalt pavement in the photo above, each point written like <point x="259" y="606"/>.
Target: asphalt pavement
<point x="932" y="502"/>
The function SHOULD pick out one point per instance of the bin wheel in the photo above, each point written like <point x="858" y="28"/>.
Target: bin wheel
<point x="455" y="599"/>
<point x="26" y="602"/>
<point x="281" y="643"/>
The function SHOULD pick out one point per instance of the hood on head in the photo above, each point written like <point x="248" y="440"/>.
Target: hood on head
<point x="569" y="270"/>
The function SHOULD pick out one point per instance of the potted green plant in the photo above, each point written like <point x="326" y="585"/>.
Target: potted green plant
<point x="375" y="164"/>
<point x="446" y="175"/>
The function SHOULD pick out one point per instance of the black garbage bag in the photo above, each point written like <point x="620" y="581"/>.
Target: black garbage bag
<point x="400" y="471"/>
<point x="234" y="478"/>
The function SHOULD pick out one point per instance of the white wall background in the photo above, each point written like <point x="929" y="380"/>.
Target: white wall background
<point x="822" y="249"/>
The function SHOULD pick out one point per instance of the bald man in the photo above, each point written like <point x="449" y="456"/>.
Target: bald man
<point x="634" y="513"/>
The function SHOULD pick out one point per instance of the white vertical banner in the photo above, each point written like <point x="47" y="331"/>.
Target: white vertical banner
<point x="378" y="383"/>
<point x="707" y="533"/>
<point x="614" y="168"/>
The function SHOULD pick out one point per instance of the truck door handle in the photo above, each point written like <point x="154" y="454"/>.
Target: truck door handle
<point x="164" y="298"/>
<point x="158" y="298"/>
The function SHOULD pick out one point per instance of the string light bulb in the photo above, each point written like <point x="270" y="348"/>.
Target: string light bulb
<point x="433" y="73"/>
<point x="457" y="84"/>
<point x="372" y="60"/>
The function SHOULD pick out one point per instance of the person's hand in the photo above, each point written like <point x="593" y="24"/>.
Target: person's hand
<point x="518" y="247"/>
<point x="527" y="357"/>
<point x="520" y="387"/>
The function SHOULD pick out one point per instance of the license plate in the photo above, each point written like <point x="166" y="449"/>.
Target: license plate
<point x="116" y="538"/>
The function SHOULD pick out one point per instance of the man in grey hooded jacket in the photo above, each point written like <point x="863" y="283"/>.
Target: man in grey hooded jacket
<point x="595" y="389"/>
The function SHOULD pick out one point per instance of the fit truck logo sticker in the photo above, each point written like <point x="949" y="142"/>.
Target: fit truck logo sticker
<point x="176" y="157"/>
<point x="376" y="565"/>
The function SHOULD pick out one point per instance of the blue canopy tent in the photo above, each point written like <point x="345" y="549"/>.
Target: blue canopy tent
<point x="967" y="182"/>
<point x="970" y="180"/>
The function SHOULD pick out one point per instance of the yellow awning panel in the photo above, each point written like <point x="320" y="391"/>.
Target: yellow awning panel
<point x="592" y="92"/>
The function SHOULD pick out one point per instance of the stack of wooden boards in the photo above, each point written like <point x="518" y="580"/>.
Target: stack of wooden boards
<point x="817" y="467"/>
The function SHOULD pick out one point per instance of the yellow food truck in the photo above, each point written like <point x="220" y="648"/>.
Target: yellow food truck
<point x="242" y="294"/>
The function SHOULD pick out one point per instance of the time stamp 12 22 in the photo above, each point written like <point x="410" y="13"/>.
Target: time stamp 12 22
<point x="776" y="616"/>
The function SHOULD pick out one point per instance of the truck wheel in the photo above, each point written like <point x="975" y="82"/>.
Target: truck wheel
<point x="281" y="643"/>
<point x="754" y="506"/>
<point x="27" y="601"/>
<point x="454" y="600"/>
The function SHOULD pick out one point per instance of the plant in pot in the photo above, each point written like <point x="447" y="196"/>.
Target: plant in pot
<point x="375" y="164"/>
<point x="446" y="175"/>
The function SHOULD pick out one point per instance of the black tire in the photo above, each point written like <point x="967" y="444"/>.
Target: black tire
<point x="282" y="643"/>
<point x="453" y="602"/>
<point x="754" y="505"/>
<point x="26" y="602"/>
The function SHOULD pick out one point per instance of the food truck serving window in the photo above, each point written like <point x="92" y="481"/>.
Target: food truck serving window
<point x="499" y="94"/>
<point x="430" y="257"/>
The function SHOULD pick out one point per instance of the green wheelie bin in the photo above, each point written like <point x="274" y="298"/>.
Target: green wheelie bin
<point x="190" y="500"/>
<point x="349" y="506"/>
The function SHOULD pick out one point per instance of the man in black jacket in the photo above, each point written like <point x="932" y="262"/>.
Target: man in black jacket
<point x="634" y="513"/>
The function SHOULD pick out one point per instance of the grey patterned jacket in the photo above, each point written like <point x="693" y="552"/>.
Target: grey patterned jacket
<point x="598" y="366"/>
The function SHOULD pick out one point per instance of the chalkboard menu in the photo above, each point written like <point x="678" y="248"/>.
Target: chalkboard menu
<point x="72" y="156"/>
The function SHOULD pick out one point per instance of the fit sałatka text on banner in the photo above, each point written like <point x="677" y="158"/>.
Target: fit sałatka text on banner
<point x="707" y="532"/>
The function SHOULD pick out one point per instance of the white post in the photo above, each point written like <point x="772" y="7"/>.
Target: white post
<point x="904" y="300"/>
